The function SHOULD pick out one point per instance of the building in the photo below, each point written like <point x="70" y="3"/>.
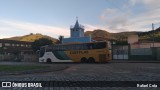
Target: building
<point x="12" y="46"/>
<point x="132" y="39"/>
<point x="136" y="44"/>
<point x="11" y="50"/>
<point x="77" y="35"/>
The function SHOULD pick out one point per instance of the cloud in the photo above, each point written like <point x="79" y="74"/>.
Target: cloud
<point x="143" y="21"/>
<point x="107" y="12"/>
<point x="149" y="3"/>
<point x="114" y="18"/>
<point x="11" y="28"/>
<point x="89" y="27"/>
<point x="15" y="28"/>
<point x="127" y="18"/>
<point x="4" y="36"/>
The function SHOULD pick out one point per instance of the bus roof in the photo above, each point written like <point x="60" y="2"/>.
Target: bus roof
<point x="80" y="43"/>
<point x="72" y="43"/>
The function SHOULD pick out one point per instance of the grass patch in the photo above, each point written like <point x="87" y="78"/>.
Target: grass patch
<point x="20" y="67"/>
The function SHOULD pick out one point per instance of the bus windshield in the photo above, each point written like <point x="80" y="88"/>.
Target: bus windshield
<point x="42" y="51"/>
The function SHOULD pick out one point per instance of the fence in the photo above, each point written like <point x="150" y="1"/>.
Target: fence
<point x="120" y="52"/>
<point x="127" y="52"/>
<point x="22" y="57"/>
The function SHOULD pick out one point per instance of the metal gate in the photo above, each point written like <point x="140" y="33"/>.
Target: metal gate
<point x="120" y="52"/>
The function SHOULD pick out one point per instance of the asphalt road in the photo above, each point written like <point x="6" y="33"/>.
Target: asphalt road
<point x="93" y="72"/>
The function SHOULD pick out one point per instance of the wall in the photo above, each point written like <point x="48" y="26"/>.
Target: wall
<point x="19" y="58"/>
<point x="7" y="57"/>
<point x="132" y="39"/>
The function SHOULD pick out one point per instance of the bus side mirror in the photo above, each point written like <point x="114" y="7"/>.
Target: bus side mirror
<point x="37" y="52"/>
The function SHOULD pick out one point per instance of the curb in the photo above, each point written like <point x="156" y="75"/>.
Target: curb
<point x="133" y="61"/>
<point x="50" y="69"/>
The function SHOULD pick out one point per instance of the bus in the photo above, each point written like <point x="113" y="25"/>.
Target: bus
<point x="77" y="52"/>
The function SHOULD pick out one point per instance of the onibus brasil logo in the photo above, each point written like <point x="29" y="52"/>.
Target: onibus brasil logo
<point x="15" y="84"/>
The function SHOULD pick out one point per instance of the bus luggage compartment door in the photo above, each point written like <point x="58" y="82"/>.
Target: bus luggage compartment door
<point x="102" y="57"/>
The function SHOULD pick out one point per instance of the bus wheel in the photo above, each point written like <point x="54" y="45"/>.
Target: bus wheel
<point x="83" y="60"/>
<point x="48" y="60"/>
<point x="91" y="60"/>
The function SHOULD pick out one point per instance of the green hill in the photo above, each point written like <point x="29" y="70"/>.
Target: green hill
<point x="122" y="36"/>
<point x="150" y="35"/>
<point x="96" y="34"/>
<point x="31" y="37"/>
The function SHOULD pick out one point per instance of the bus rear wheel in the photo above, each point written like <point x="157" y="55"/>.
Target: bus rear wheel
<point x="83" y="60"/>
<point x="91" y="60"/>
<point x="48" y="60"/>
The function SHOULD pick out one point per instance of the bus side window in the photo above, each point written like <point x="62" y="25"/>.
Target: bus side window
<point x="57" y="48"/>
<point x="78" y="47"/>
<point x="104" y="45"/>
<point x="90" y="46"/>
<point x="100" y="45"/>
<point x="85" y="46"/>
<point x="74" y="47"/>
<point x="66" y="47"/>
<point x="94" y="45"/>
<point x="71" y="47"/>
<point x="81" y="47"/>
<point x="62" y="48"/>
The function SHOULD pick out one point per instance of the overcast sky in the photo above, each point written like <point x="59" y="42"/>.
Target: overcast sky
<point x="54" y="17"/>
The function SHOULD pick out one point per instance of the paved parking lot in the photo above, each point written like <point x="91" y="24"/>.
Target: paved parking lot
<point x="93" y="72"/>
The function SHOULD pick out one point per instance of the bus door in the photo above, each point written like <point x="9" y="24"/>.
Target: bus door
<point x="102" y="57"/>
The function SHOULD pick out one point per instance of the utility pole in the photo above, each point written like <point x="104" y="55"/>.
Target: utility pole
<point x="153" y="33"/>
<point x="152" y="26"/>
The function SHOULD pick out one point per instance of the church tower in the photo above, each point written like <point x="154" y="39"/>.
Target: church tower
<point x="77" y="30"/>
<point x="76" y="35"/>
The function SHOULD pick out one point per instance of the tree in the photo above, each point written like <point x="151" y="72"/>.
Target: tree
<point x="60" y="39"/>
<point x="40" y="42"/>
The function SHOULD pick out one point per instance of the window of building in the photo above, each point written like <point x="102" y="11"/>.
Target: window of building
<point x="7" y="44"/>
<point x="17" y="44"/>
<point x="0" y="44"/>
<point x="13" y="45"/>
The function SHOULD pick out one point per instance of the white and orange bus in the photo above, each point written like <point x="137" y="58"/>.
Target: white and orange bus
<point x="77" y="52"/>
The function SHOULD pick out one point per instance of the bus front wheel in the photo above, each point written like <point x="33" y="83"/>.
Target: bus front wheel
<point x="83" y="60"/>
<point x="48" y="60"/>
